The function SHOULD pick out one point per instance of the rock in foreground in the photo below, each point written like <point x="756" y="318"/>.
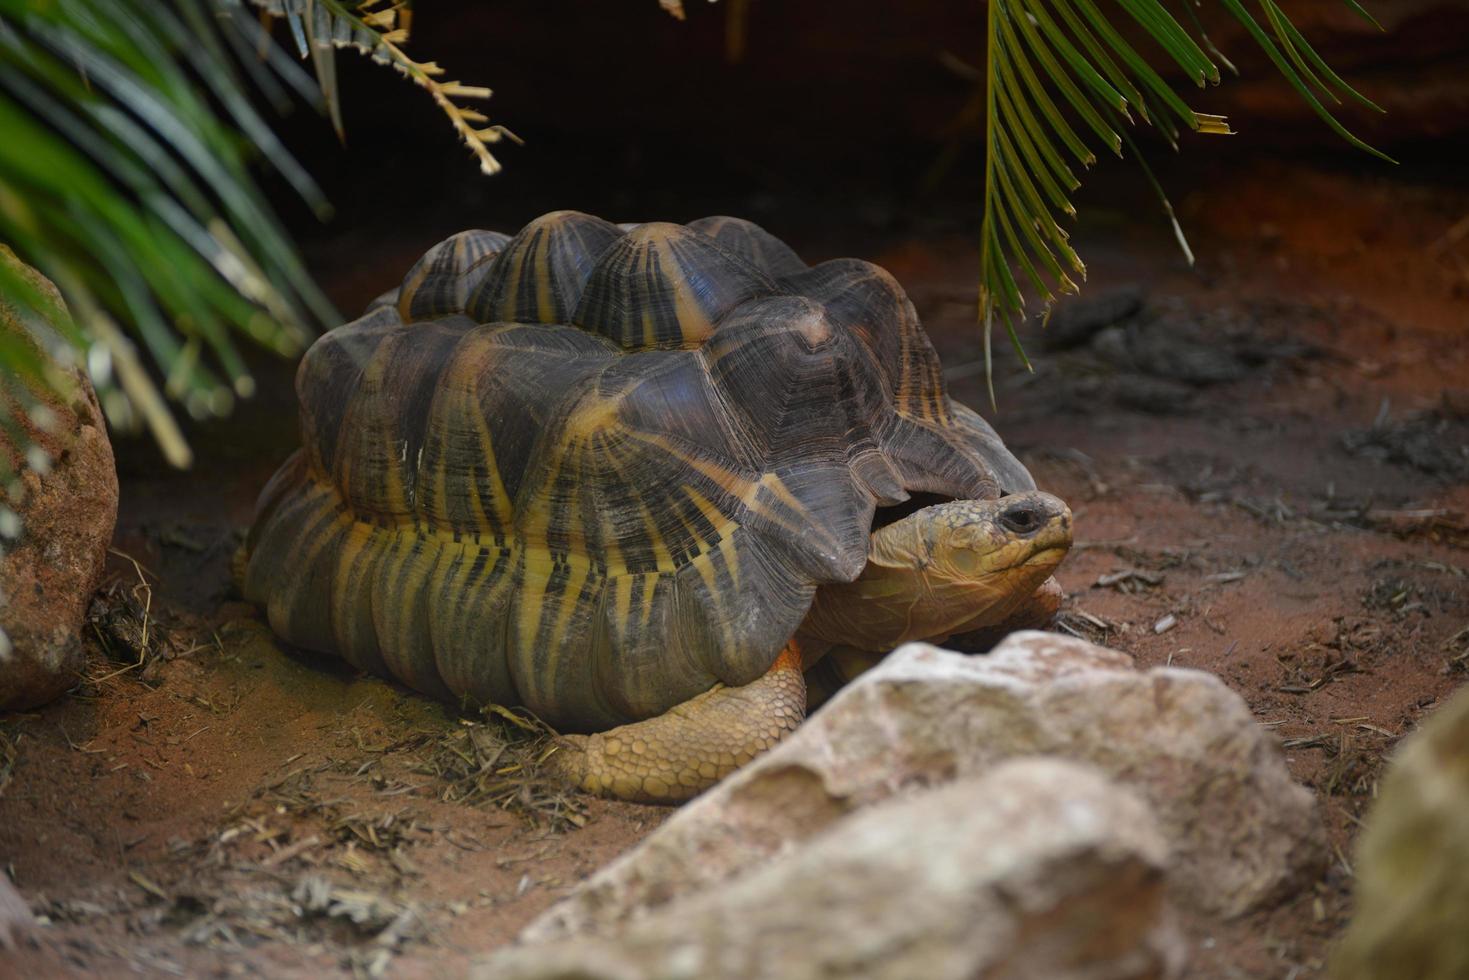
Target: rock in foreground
<point x="66" y="518"/>
<point x="16" y="919"/>
<point x="1039" y="868"/>
<point x="1412" y="915"/>
<point x="1242" y="834"/>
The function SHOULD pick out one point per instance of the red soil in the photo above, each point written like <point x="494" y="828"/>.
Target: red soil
<point x="155" y="819"/>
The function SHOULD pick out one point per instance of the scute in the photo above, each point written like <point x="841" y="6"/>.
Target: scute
<point x="664" y="285"/>
<point x="753" y="244"/>
<point x="386" y="421"/>
<point x="596" y="471"/>
<point x="442" y="281"/>
<point x="980" y="437"/>
<point x="540" y="274"/>
<point x="867" y="301"/>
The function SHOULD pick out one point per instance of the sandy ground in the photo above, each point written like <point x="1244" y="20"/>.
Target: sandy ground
<point x="1270" y="478"/>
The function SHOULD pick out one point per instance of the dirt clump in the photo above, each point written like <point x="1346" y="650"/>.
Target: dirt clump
<point x="1435" y="442"/>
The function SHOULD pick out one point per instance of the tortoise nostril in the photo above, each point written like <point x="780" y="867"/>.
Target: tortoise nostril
<point x="1021" y="518"/>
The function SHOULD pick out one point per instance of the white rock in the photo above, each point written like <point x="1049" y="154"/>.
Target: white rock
<point x="16" y="919"/>
<point x="1039" y="868"/>
<point x="1241" y="831"/>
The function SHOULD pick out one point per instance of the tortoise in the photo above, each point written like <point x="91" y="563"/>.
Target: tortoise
<point x="638" y="478"/>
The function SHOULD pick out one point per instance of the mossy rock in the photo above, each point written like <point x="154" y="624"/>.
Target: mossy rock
<point x="1412" y="914"/>
<point x="62" y="512"/>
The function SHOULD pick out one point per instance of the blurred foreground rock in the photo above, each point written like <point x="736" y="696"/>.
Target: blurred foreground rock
<point x="66" y="519"/>
<point x="16" y="919"/>
<point x="1239" y="832"/>
<point x="1412" y="903"/>
<point x="1039" y="868"/>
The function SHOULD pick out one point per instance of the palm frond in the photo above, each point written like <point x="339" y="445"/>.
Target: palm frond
<point x="1061" y="78"/>
<point x="378" y="29"/>
<point x="124" y="178"/>
<point x="124" y="184"/>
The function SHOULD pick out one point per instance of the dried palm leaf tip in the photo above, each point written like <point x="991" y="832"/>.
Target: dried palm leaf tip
<point x="378" y="31"/>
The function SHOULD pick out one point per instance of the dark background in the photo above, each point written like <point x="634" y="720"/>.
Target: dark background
<point x="840" y="128"/>
<point x="847" y="108"/>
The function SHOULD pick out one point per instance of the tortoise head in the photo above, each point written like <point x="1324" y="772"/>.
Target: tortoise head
<point x="945" y="569"/>
<point x="981" y="545"/>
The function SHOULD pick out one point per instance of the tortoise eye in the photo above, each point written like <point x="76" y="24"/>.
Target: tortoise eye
<point x="1022" y="518"/>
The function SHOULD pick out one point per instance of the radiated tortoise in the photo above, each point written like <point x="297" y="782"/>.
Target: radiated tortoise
<point x="638" y="478"/>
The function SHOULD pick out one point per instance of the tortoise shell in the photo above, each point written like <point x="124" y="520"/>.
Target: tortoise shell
<point x="596" y="470"/>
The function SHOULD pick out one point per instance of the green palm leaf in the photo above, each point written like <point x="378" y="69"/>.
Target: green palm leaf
<point x="1060" y="78"/>
<point x="121" y="182"/>
<point x="125" y="178"/>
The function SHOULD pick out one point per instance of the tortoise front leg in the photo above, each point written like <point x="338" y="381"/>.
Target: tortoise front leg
<point x="692" y="746"/>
